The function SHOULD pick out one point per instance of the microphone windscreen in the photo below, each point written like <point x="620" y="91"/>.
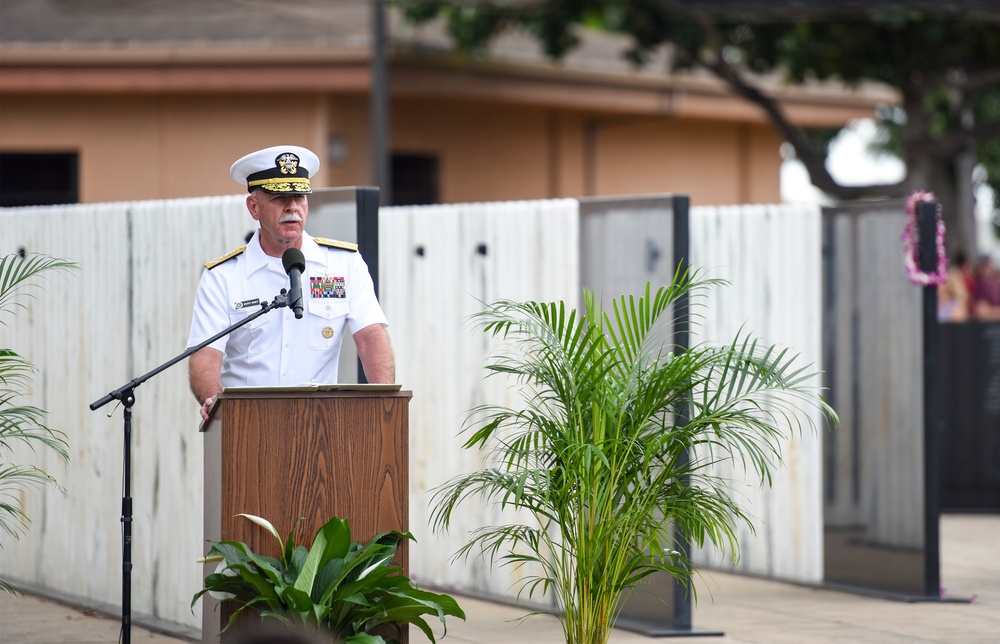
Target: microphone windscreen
<point x="293" y="257"/>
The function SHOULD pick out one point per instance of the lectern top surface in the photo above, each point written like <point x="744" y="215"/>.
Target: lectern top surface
<point x="356" y="386"/>
<point x="365" y="390"/>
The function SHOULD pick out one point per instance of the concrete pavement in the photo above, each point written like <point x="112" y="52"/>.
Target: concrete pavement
<point x="745" y="609"/>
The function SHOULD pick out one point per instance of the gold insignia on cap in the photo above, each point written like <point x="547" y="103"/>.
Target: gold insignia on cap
<point x="288" y="163"/>
<point x="328" y="332"/>
<point x="281" y="185"/>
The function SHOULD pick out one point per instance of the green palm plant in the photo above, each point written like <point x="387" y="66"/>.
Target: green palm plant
<point x="19" y="423"/>
<point x="610" y="453"/>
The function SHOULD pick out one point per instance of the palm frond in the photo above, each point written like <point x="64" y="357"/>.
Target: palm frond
<point x="14" y="521"/>
<point x="16" y="273"/>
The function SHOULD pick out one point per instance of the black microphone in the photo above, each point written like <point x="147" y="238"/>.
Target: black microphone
<point x="294" y="262"/>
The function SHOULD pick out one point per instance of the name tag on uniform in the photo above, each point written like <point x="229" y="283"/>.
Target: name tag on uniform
<point x="246" y="303"/>
<point x="327" y="286"/>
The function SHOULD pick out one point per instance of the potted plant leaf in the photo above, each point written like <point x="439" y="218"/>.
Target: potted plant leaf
<point x="338" y="587"/>
<point x="610" y="448"/>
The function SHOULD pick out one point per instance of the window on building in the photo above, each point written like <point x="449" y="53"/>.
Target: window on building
<point x="414" y="179"/>
<point x="38" y="179"/>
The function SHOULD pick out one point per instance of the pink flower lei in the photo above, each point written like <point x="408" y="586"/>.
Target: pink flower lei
<point x="911" y="244"/>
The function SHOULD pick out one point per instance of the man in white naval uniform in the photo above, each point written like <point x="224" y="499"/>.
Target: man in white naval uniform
<point x="337" y="290"/>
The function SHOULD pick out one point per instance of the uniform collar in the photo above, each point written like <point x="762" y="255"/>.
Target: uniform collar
<point x="313" y="252"/>
<point x="256" y="258"/>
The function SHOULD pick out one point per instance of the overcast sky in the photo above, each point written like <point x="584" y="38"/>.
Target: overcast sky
<point x="850" y="163"/>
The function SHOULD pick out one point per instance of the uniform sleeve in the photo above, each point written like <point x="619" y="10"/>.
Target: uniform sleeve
<point x="211" y="311"/>
<point x="364" y="309"/>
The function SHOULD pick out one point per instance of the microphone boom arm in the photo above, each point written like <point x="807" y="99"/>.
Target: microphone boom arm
<point x="125" y="391"/>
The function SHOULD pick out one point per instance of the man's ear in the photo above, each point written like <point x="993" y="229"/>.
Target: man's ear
<point x="252" y="207"/>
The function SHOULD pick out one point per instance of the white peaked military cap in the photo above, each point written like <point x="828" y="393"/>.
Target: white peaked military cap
<point x="279" y="170"/>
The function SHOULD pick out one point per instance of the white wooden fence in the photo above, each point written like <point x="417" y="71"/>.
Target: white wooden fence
<point x="771" y="257"/>
<point x="441" y="263"/>
<point x="123" y="313"/>
<point x="128" y="309"/>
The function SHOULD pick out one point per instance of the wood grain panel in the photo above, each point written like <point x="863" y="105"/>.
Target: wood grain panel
<point x="314" y="455"/>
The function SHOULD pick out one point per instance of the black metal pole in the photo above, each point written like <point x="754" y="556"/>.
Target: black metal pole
<point x="927" y="221"/>
<point x="126" y="637"/>
<point x="126" y="395"/>
<point x="379" y="105"/>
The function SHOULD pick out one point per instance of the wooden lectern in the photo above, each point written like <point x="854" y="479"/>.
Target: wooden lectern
<point x="282" y="453"/>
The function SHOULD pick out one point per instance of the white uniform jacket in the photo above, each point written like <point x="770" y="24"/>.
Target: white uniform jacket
<point x="276" y="348"/>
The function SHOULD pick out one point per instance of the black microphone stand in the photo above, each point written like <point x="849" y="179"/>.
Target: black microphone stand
<point x="126" y="396"/>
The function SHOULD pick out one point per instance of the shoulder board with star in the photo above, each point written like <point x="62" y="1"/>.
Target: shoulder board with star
<point x="225" y="258"/>
<point x="333" y="243"/>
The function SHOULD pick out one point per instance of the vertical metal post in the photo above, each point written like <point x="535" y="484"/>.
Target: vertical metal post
<point x="366" y="220"/>
<point x="379" y="105"/>
<point x="126" y="634"/>
<point x="590" y="158"/>
<point x="663" y="606"/>
<point x="828" y="337"/>
<point x="682" y="248"/>
<point x="927" y="221"/>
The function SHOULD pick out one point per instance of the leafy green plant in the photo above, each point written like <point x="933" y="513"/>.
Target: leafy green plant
<point x="610" y="453"/>
<point x="19" y="423"/>
<point x="337" y="586"/>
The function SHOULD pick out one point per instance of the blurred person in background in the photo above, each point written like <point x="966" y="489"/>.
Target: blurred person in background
<point x="986" y="290"/>
<point x="954" y="301"/>
<point x="964" y="268"/>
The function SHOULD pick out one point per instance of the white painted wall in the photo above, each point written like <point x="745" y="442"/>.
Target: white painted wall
<point x="771" y="255"/>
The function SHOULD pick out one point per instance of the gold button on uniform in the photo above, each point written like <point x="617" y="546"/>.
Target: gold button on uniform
<point x="328" y="332"/>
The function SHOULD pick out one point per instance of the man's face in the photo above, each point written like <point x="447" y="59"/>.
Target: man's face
<point x="282" y="218"/>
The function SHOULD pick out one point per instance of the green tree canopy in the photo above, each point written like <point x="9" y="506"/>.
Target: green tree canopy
<point x="943" y="58"/>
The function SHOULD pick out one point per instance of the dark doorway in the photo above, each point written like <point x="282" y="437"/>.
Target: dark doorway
<point x="38" y="179"/>
<point x="414" y="179"/>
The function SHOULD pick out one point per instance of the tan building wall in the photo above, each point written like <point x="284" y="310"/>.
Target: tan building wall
<point x="348" y="118"/>
<point x="487" y="152"/>
<point x="157" y="147"/>
<point x="714" y="162"/>
<point x="494" y="152"/>
<point x="145" y="146"/>
<point x="158" y="104"/>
